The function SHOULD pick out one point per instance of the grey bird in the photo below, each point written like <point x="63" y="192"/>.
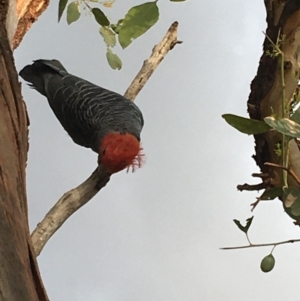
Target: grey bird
<point x="94" y="117"/>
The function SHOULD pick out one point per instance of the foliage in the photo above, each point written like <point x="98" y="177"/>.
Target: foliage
<point x="73" y="12"/>
<point x="246" y="125"/>
<point x="285" y="121"/>
<point x="137" y="21"/>
<point x="284" y="126"/>
<point x="268" y="263"/>
<point x="246" y="227"/>
<point x="291" y="202"/>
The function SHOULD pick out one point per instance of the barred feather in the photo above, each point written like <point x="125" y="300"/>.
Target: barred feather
<point x="86" y="111"/>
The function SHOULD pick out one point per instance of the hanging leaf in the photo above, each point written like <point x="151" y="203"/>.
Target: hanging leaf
<point x="246" y="125"/>
<point x="73" y="12"/>
<point x="284" y="126"/>
<point x="137" y="21"/>
<point x="244" y="228"/>
<point x="113" y="60"/>
<point x="108" y="35"/>
<point x="291" y="202"/>
<point x="100" y="17"/>
<point x="268" y="263"/>
<point x="61" y="7"/>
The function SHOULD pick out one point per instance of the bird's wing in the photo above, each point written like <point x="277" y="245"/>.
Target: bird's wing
<point x="85" y="109"/>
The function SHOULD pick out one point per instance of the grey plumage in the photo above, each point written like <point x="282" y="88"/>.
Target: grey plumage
<point x="86" y="111"/>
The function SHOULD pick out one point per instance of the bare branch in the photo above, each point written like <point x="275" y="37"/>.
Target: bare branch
<point x="254" y="187"/>
<point x="258" y="200"/>
<point x="262" y="245"/>
<point x="253" y="205"/>
<point x="68" y="204"/>
<point x="261" y="175"/>
<point x="71" y="201"/>
<point x="149" y="66"/>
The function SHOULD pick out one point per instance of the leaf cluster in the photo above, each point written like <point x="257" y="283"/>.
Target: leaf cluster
<point x="137" y="21"/>
<point x="268" y="262"/>
<point x="286" y="121"/>
<point x="289" y="127"/>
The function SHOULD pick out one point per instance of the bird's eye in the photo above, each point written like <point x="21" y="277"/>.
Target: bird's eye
<point x="103" y="152"/>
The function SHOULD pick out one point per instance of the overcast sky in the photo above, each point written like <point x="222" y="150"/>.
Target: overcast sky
<point x="155" y="235"/>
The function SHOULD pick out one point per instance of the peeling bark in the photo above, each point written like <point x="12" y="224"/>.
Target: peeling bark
<point x="28" y="12"/>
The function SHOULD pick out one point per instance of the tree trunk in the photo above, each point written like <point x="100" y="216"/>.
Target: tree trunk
<point x="19" y="273"/>
<point x="276" y="73"/>
<point x="265" y="98"/>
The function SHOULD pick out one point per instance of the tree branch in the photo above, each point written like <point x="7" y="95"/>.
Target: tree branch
<point x="158" y="54"/>
<point x="262" y="245"/>
<point x="254" y="187"/>
<point x="274" y="77"/>
<point x="71" y="201"/>
<point x="67" y="205"/>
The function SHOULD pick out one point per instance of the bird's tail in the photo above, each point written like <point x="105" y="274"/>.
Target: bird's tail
<point x="38" y="73"/>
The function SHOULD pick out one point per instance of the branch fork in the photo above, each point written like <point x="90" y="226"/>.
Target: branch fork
<point x="74" y="199"/>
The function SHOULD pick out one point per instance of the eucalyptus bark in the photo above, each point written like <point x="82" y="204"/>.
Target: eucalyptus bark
<point x="19" y="273"/>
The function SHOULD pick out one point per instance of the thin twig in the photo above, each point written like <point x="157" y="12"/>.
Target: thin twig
<point x="289" y="171"/>
<point x="249" y="187"/>
<point x="258" y="200"/>
<point x="253" y="205"/>
<point x="158" y="54"/>
<point x="71" y="201"/>
<point x="262" y="245"/>
<point x="261" y="175"/>
<point x="247" y="236"/>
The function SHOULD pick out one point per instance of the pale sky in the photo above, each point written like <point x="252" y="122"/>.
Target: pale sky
<point x="155" y="235"/>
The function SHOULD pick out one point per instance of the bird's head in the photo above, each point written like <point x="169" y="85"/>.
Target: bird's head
<point x="118" y="151"/>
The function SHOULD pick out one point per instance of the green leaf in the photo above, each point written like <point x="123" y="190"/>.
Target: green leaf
<point x="291" y="202"/>
<point x="271" y="193"/>
<point x="100" y="17"/>
<point x="246" y="125"/>
<point x="108" y="35"/>
<point x="73" y="12"/>
<point x="137" y="21"/>
<point x="268" y="263"/>
<point x="244" y="228"/>
<point x="113" y="60"/>
<point x="296" y="116"/>
<point x="61" y="7"/>
<point x="284" y="126"/>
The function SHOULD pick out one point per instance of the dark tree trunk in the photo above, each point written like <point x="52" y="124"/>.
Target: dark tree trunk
<point x="266" y="97"/>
